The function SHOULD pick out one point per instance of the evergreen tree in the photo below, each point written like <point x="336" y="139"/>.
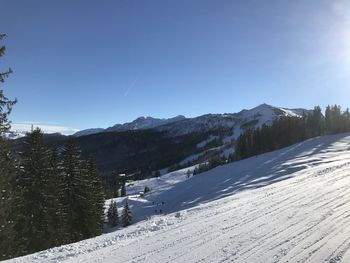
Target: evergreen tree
<point x="126" y="216"/>
<point x="112" y="214"/>
<point x="74" y="196"/>
<point x="5" y="103"/>
<point x="314" y="122"/>
<point x="8" y="172"/>
<point x="32" y="223"/>
<point x="123" y="189"/>
<point x="54" y="207"/>
<point x="146" y="189"/>
<point x="97" y="200"/>
<point x="328" y="120"/>
<point x="346" y="116"/>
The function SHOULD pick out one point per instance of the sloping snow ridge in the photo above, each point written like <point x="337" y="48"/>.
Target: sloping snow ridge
<point x="291" y="205"/>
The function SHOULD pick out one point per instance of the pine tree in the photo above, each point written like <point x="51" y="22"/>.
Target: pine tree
<point x="123" y="189"/>
<point x="126" y="216"/>
<point x="328" y="120"/>
<point x="5" y="103"/>
<point x="54" y="203"/>
<point x="32" y="223"/>
<point x="74" y="196"/>
<point x="112" y="214"/>
<point x="8" y="172"/>
<point x="97" y="200"/>
<point x="188" y="173"/>
<point x="346" y="116"/>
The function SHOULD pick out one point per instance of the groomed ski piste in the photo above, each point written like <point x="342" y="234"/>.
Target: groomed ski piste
<point x="290" y="205"/>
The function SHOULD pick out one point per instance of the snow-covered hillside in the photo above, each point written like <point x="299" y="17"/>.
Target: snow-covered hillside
<point x="289" y="205"/>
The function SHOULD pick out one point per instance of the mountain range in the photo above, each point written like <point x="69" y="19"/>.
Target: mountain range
<point x="180" y="125"/>
<point x="147" y="144"/>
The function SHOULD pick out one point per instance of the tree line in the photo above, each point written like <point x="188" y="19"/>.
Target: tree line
<point x="286" y="131"/>
<point x="52" y="197"/>
<point x="113" y="215"/>
<point x="283" y="132"/>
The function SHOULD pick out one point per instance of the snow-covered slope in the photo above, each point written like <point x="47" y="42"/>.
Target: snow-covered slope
<point x="289" y="205"/>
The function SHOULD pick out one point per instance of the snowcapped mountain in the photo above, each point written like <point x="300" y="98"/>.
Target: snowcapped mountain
<point x="289" y="205"/>
<point x="143" y="123"/>
<point x="181" y="125"/>
<point x="256" y="117"/>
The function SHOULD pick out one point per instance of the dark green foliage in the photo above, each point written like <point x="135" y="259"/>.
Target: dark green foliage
<point x="97" y="200"/>
<point x="289" y="130"/>
<point x="336" y="121"/>
<point x="74" y="195"/>
<point x="117" y="183"/>
<point x="112" y="214"/>
<point x="143" y="151"/>
<point x="55" y="218"/>
<point x="5" y="110"/>
<point x="281" y="133"/>
<point x="8" y="171"/>
<point x="133" y="152"/>
<point x="123" y="190"/>
<point x="138" y="152"/>
<point x="5" y="103"/>
<point x="58" y="199"/>
<point x="213" y="162"/>
<point x="147" y="189"/>
<point x="32" y="204"/>
<point x="126" y="216"/>
<point x="315" y="123"/>
<point x="174" y="167"/>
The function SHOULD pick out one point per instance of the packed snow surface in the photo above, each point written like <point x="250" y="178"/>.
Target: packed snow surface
<point x="291" y="205"/>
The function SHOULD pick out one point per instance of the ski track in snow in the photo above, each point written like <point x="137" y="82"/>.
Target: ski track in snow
<point x="305" y="217"/>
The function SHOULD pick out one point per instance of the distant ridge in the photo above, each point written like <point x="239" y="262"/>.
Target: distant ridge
<point x="180" y="125"/>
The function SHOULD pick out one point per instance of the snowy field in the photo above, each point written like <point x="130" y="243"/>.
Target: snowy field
<point x="291" y="205"/>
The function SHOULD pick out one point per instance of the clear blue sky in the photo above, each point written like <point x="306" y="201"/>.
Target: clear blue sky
<point x="84" y="64"/>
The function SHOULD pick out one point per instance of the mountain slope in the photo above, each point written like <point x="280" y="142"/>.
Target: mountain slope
<point x="285" y="206"/>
